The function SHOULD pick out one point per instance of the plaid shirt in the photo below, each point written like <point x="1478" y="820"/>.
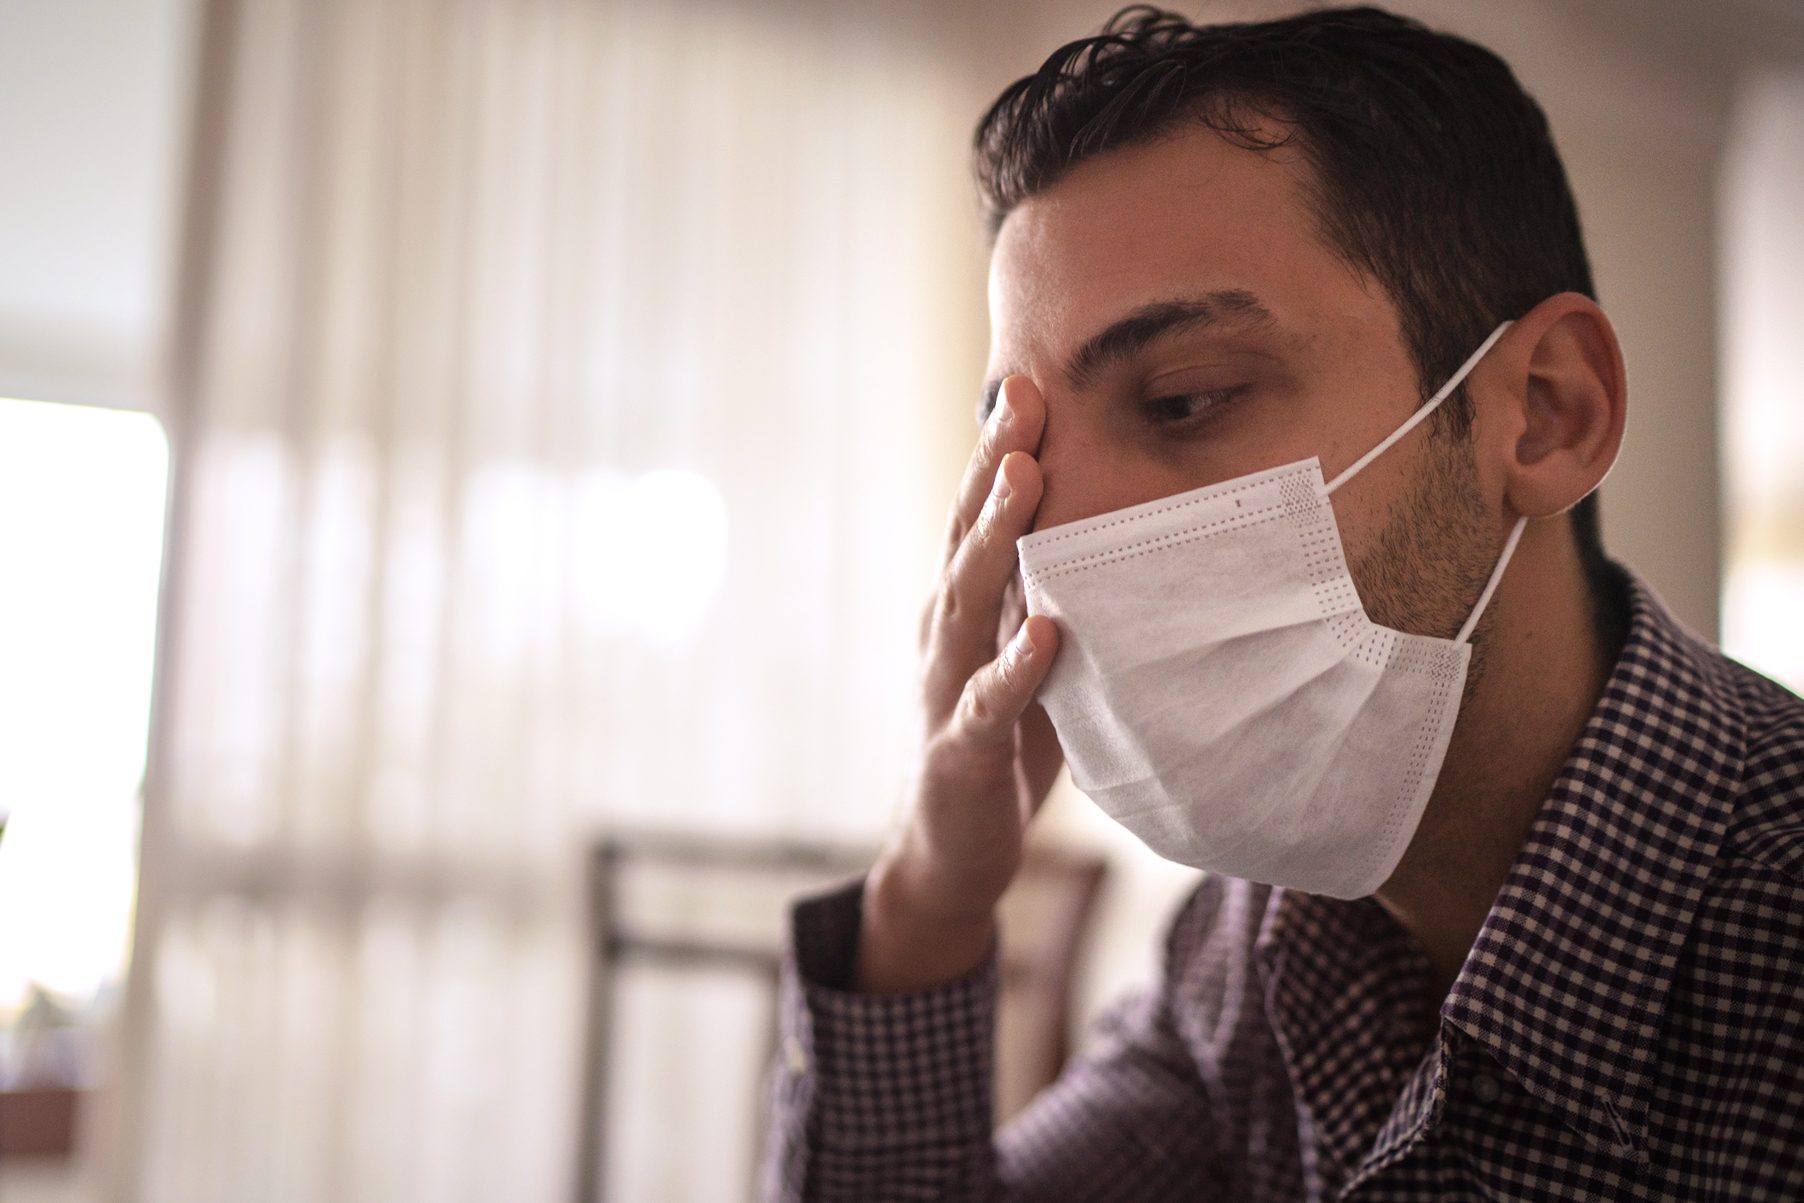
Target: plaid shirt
<point x="1629" y="1023"/>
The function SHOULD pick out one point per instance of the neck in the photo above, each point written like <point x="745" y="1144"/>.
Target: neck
<point x="1544" y="665"/>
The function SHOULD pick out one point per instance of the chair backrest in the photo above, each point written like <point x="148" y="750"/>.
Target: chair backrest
<point x="1044" y="918"/>
<point x="683" y="902"/>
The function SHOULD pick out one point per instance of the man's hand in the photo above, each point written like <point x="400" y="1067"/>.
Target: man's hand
<point x="989" y="755"/>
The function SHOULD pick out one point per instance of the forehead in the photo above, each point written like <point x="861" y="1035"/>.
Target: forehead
<point x="1186" y="214"/>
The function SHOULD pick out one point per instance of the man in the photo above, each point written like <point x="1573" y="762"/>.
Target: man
<point x="1507" y="889"/>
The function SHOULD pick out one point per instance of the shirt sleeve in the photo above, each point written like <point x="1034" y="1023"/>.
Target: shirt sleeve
<point x="888" y="1097"/>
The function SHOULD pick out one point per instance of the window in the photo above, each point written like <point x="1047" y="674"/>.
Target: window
<point x="81" y="533"/>
<point x="1763" y="420"/>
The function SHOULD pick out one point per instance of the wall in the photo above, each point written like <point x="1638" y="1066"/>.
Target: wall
<point x="93" y="115"/>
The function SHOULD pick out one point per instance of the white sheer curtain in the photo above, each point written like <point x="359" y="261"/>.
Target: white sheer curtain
<point x="561" y="398"/>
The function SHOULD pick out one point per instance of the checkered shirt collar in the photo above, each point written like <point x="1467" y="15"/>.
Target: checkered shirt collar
<point x="1566" y="984"/>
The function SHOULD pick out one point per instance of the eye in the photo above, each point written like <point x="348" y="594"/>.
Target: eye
<point x="1189" y="409"/>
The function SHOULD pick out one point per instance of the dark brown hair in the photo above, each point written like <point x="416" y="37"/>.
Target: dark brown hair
<point x="1434" y="172"/>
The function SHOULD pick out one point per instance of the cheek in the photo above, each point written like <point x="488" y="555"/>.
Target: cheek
<point x="1086" y="475"/>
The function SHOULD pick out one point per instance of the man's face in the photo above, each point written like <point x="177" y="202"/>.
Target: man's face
<point x="1186" y="323"/>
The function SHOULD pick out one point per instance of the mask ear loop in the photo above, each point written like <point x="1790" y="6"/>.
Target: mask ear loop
<point x="1422" y="413"/>
<point x="1415" y="420"/>
<point x="1484" y="599"/>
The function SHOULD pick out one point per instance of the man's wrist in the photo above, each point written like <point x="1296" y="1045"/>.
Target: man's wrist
<point x="913" y="937"/>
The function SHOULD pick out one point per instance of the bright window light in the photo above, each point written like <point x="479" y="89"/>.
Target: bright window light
<point x="655" y="551"/>
<point x="81" y="536"/>
<point x="1763" y="420"/>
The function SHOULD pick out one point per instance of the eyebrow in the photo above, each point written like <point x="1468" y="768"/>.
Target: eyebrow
<point x="1145" y="326"/>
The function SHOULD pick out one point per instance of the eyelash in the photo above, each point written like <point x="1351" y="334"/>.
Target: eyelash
<point x="1213" y="401"/>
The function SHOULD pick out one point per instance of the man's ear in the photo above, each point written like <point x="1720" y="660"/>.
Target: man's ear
<point x="1565" y="401"/>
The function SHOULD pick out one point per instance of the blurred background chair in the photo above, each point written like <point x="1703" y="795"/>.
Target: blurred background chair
<point x="689" y="903"/>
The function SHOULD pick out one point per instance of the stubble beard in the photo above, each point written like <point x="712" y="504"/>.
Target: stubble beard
<point x="1430" y="561"/>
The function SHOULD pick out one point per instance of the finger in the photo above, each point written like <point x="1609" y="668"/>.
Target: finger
<point x="997" y="694"/>
<point x="1014" y="425"/>
<point x="964" y="634"/>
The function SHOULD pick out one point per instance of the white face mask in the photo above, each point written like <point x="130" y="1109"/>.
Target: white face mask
<point x="1220" y="691"/>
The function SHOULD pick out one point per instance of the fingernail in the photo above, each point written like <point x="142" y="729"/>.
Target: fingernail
<point x="1000" y="487"/>
<point x="1005" y="413"/>
<point x="1022" y="645"/>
